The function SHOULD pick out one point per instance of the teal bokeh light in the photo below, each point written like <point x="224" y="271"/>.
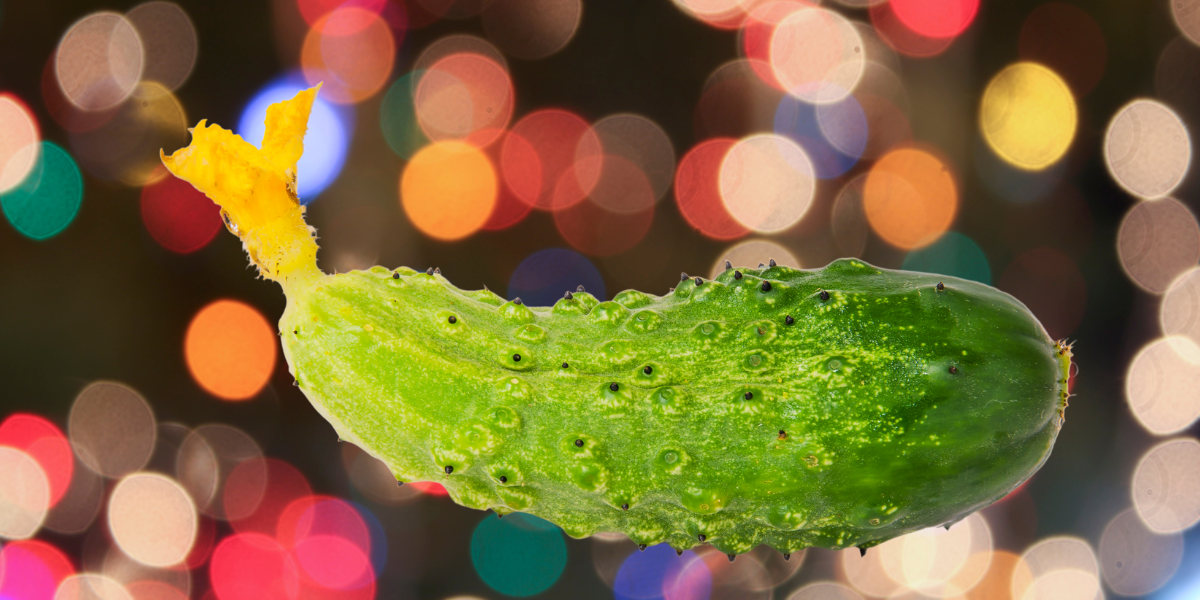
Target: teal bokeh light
<point x="398" y="117"/>
<point x="954" y="254"/>
<point x="49" y="198"/>
<point x="520" y="555"/>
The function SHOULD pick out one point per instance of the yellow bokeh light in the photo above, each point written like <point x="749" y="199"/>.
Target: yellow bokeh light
<point x="1028" y="116"/>
<point x="448" y="190"/>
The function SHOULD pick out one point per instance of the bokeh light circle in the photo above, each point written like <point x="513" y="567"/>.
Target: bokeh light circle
<point x="352" y="50"/>
<point x="817" y="55"/>
<point x="659" y="572"/>
<point x="1157" y="242"/>
<point x="252" y="566"/>
<point x="953" y="254"/>
<point x="230" y="349"/>
<point x="464" y="96"/>
<point x="910" y="197"/>
<point x="542" y="158"/>
<point x="1135" y="560"/>
<point x="169" y="40"/>
<point x="750" y="253"/>
<point x="767" y="182"/>
<point x="641" y="142"/>
<point x="848" y="220"/>
<point x="99" y="61"/>
<point x="598" y="231"/>
<point x="398" y="116"/>
<point x="544" y="276"/>
<point x="178" y="216"/>
<point x="936" y="18"/>
<point x="126" y="147"/>
<point x="152" y="519"/>
<point x="209" y="456"/>
<point x="834" y="135"/>
<point x="32" y="570"/>
<point x="49" y="198"/>
<point x="1057" y="567"/>
<point x="1179" y="313"/>
<point x="1161" y="382"/>
<point x="19" y="142"/>
<point x="532" y="29"/>
<point x="521" y="555"/>
<point x="1028" y="115"/>
<point x="698" y="191"/>
<point x="1147" y="149"/>
<point x="112" y="429"/>
<point x="24" y="494"/>
<point x="325" y="142"/>
<point x="1166" y="486"/>
<point x="45" y="443"/>
<point x="824" y="590"/>
<point x="91" y="586"/>
<point x="448" y="190"/>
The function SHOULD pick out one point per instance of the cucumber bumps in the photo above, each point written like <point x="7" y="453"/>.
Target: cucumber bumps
<point x="835" y="407"/>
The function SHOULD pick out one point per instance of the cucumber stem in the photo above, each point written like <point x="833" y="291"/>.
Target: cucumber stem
<point x="256" y="188"/>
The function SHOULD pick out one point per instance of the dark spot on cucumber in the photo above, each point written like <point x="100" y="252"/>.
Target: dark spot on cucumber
<point x="625" y="506"/>
<point x="437" y="271"/>
<point x="788" y="320"/>
<point x="614" y="386"/>
<point x="824" y="296"/>
<point x="678" y="552"/>
<point x="568" y="296"/>
<point x="703" y="537"/>
<point x="452" y="319"/>
<point x="766" y="286"/>
<point x="578" y="443"/>
<point x="941" y="287"/>
<point x="516" y="358"/>
<point x="399" y="483"/>
<point x="733" y="556"/>
<point x="449" y="469"/>
<point x="395" y="276"/>
<point x="953" y="370"/>
<point x="728" y="265"/>
<point x="503" y="479"/>
<point x="782" y="434"/>
<point x="641" y="547"/>
<point x="862" y="551"/>
<point x="748" y="395"/>
<point x="699" y="281"/>
<point x="771" y="262"/>
<point x="429" y="271"/>
<point x="683" y="276"/>
<point x="648" y="370"/>
<point x="565" y="365"/>
<point x="737" y="274"/>
<point x="787" y="556"/>
<point x="517" y="301"/>
<point x="579" y="289"/>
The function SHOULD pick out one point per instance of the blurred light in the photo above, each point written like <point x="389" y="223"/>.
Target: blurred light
<point x="755" y="36"/>
<point x="817" y="55"/>
<point x="548" y="160"/>
<point x="42" y="205"/>
<point x="1157" y="242"/>
<point x="824" y="590"/>
<point x="722" y="14"/>
<point x="1049" y="283"/>
<point x="735" y="102"/>
<point x="66" y="114"/>
<point x="953" y="254"/>
<point x="1161" y="385"/>
<point x="325" y="143"/>
<point x="1179" y="313"/>
<point x="377" y="550"/>
<point x="230" y="349"/>
<point x="866" y="572"/>
<point x="1177" y="77"/>
<point x="543" y="277"/>
<point x="939" y="562"/>
<point x="1068" y="40"/>
<point x="206" y="537"/>
<point x="901" y="38"/>
<point x="45" y="443"/>
<point x="622" y="187"/>
<point x="126" y="147"/>
<point x="848" y="220"/>
<point x="24" y="494"/>
<point x="518" y="556"/>
<point x="532" y="29"/>
<point x="936" y="18"/>
<point x="257" y="492"/>
<point x="1146" y="149"/>
<point x="90" y="586"/>
<point x="1166" y="486"/>
<point x="99" y="61"/>
<point x="398" y="117"/>
<point x="448" y="190"/>
<point x="32" y="570"/>
<point x="1068" y="562"/>
<point x="910" y="198"/>
<point x="1014" y="184"/>
<point x="716" y="577"/>
<point x="659" y="573"/>
<point x="767" y="182"/>
<point x="252" y="566"/>
<point x="609" y="551"/>
<point x="121" y="568"/>
<point x="464" y="96"/>
<point x="154" y="590"/>
<point x="76" y="510"/>
<point x="429" y="488"/>
<point x="313" y="10"/>
<point x="19" y="142"/>
<point x="178" y="216"/>
<point x="457" y="44"/>
<point x="592" y="229"/>
<point x="1135" y="560"/>
<point x="834" y="135"/>
<point x="334" y="562"/>
<point x="352" y="51"/>
<point x="372" y="477"/>
<point x="641" y="142"/>
<point x="698" y="192"/>
<point x="509" y="209"/>
<point x="1187" y="17"/>
<point x="318" y="515"/>
<point x="206" y="459"/>
<point x="169" y="42"/>
<point x="1028" y="115"/>
<point x="152" y="519"/>
<point x="887" y="124"/>
<point x="747" y="254"/>
<point x="112" y="429"/>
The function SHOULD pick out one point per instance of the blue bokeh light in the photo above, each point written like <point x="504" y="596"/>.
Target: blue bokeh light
<point x="544" y="276"/>
<point x="833" y="135"/>
<point x="520" y="555"/>
<point x="953" y="254"/>
<point x="659" y="574"/>
<point x="325" y="144"/>
<point x="378" y="536"/>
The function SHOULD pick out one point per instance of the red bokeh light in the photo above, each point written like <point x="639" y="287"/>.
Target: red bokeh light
<point x="901" y="38"/>
<point x="698" y="193"/>
<point x="252" y="566"/>
<point x="334" y="562"/>
<point x="936" y="18"/>
<point x="431" y="488"/>
<point x="322" y="515"/>
<point x="313" y="10"/>
<point x="593" y="230"/>
<point x="509" y="209"/>
<point x="47" y="444"/>
<point x="178" y="216"/>
<point x="284" y="485"/>
<point x="757" y="31"/>
<point x="206" y="536"/>
<point x="539" y="162"/>
<point x="32" y="570"/>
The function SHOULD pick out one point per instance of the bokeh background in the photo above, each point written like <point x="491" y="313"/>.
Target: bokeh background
<point x="153" y="447"/>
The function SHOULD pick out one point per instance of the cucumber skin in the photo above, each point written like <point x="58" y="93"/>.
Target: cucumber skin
<point x="880" y="438"/>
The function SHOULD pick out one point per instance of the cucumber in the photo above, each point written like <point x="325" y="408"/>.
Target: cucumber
<point x="835" y="407"/>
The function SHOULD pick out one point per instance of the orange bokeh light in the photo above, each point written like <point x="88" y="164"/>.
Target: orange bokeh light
<point x="352" y="51"/>
<point x="448" y="190"/>
<point x="910" y="198"/>
<point x="230" y="350"/>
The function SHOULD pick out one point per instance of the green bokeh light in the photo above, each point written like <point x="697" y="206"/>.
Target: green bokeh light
<point x="520" y="555"/>
<point x="398" y="117"/>
<point x="49" y="198"/>
<point x="954" y="254"/>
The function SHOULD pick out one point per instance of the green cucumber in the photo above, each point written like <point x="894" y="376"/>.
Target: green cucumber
<point x="835" y="407"/>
